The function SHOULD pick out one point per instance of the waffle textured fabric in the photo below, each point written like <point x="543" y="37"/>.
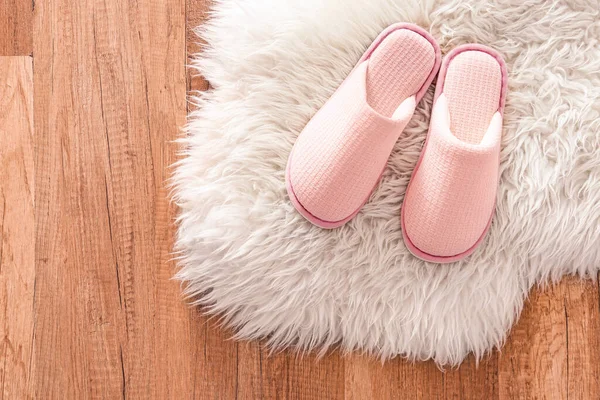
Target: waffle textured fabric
<point x="472" y="87"/>
<point x="253" y="260"/>
<point x="397" y="69"/>
<point x="340" y="155"/>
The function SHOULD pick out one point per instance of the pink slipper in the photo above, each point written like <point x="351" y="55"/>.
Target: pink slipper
<point x="341" y="153"/>
<point x="450" y="199"/>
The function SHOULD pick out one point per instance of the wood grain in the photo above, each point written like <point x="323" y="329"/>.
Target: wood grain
<point x="110" y="98"/>
<point x="88" y="307"/>
<point x="217" y="362"/>
<point x="285" y="375"/>
<point x="311" y="377"/>
<point x="473" y="380"/>
<point x="367" y="378"/>
<point x="554" y="350"/>
<point x="17" y="237"/>
<point x="16" y="33"/>
<point x="583" y="336"/>
<point x="196" y="14"/>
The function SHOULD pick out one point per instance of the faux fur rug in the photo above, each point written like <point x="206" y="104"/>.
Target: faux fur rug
<point x="252" y="259"/>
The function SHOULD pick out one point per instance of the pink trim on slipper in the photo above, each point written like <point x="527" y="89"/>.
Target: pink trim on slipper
<point x="453" y="198"/>
<point x="341" y="154"/>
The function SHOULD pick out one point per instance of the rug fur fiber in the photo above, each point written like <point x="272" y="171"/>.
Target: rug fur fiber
<point x="251" y="259"/>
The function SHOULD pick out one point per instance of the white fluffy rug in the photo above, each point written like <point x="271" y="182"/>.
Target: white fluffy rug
<point x="251" y="258"/>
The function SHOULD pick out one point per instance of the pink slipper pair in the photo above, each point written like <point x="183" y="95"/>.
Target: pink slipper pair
<point x="340" y="155"/>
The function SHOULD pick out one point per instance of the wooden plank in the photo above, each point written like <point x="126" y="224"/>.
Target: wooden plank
<point x="110" y="96"/>
<point x="533" y="361"/>
<point x="553" y="351"/>
<point x="274" y="375"/>
<point x="288" y="375"/>
<point x="16" y="27"/>
<point x="367" y="378"/>
<point x="250" y="370"/>
<point x="583" y="332"/>
<point x="358" y="381"/>
<point x="472" y="380"/>
<point x="420" y="380"/>
<point x="262" y="375"/>
<point x="17" y="237"/>
<point x="196" y="14"/>
<point x="311" y="377"/>
<point x="216" y="362"/>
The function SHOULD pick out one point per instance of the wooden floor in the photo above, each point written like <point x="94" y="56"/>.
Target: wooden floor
<point x="92" y="93"/>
